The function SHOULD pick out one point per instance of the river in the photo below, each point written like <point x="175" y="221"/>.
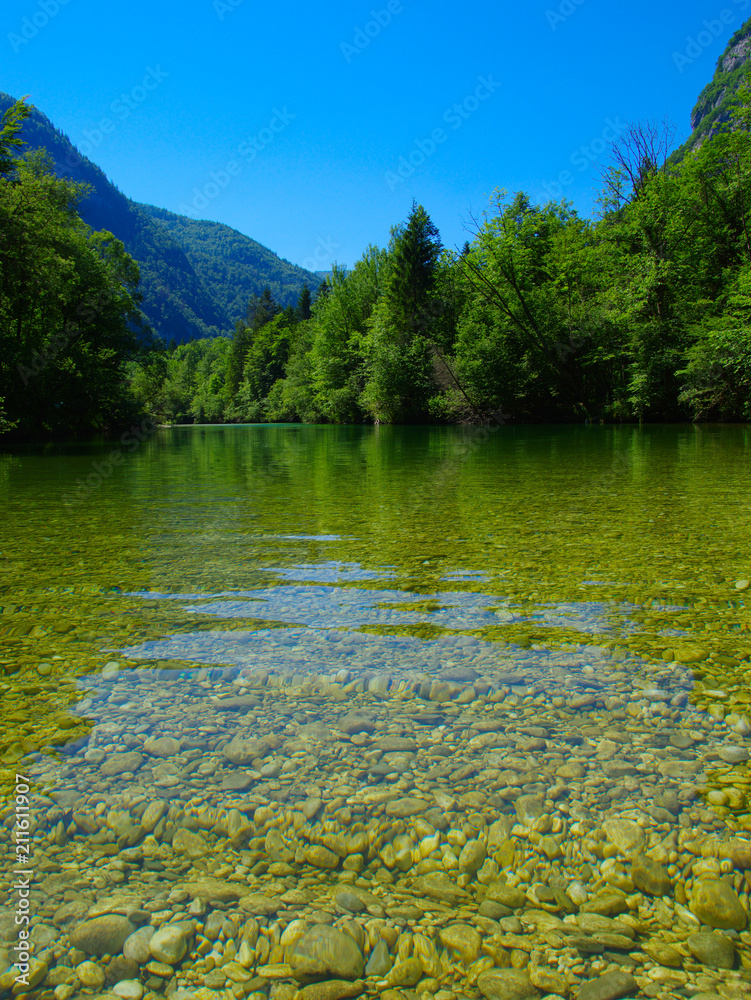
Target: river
<point x="440" y="711"/>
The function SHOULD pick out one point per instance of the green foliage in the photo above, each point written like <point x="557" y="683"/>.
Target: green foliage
<point x="398" y="349"/>
<point x="10" y="138"/>
<point x="232" y="267"/>
<point x="69" y="316"/>
<point x="196" y="276"/>
<point x="642" y="314"/>
<point x="715" y="106"/>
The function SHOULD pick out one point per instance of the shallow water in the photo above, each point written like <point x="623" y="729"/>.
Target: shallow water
<point x="461" y="588"/>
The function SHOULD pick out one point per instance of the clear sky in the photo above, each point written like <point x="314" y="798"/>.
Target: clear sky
<point x="291" y="122"/>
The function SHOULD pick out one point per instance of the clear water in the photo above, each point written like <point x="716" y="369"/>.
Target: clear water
<point x="543" y="561"/>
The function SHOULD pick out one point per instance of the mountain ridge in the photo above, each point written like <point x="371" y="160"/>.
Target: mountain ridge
<point x="188" y="291"/>
<point x="713" y="107"/>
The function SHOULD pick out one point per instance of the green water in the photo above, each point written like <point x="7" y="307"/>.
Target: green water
<point x="629" y="539"/>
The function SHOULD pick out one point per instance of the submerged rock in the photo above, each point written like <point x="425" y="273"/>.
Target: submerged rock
<point x="325" y="952"/>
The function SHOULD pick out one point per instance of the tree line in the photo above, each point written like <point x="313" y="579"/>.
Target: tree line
<point x="641" y="314"/>
<point x="543" y="315"/>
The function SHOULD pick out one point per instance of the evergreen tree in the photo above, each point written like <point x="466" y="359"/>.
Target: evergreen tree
<point x="260" y="311"/>
<point x="304" y="301"/>
<point x="399" y="349"/>
<point x="10" y="139"/>
<point x="415" y="252"/>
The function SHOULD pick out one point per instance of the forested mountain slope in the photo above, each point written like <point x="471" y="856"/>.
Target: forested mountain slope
<point x="196" y="277"/>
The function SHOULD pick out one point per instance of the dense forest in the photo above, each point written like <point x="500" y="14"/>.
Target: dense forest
<point x="641" y="314"/>
<point x="543" y="315"/>
<point x="195" y="276"/>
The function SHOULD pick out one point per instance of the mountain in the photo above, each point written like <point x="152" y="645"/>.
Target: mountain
<point x="712" y="109"/>
<point x="196" y="277"/>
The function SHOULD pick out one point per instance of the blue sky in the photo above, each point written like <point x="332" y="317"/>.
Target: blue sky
<point x="311" y="128"/>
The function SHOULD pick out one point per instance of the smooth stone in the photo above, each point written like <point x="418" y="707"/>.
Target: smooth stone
<point x="90" y="975"/>
<point x="102" y="935"/>
<point x="119" y="968"/>
<point x="208" y="889"/>
<point x="355" y="722"/>
<point x="61" y="975"/>
<point x="239" y="781"/>
<point x="324" y="951"/>
<point x="170" y="943"/>
<point x="161" y="969"/>
<point x="331" y="989"/>
<point x="459" y="674"/>
<point x="154" y="812"/>
<point x="715" y="903"/>
<point x="472" y="857"/>
<point x="548" y="981"/>
<point x="380" y="961"/>
<point x="614" y="942"/>
<point x="190" y="845"/>
<point x="277" y="970"/>
<point x="663" y="953"/>
<point x="128" y="989"/>
<point x="163" y="746"/>
<point x="277" y="848"/>
<point x="618" y="769"/>
<point x="627" y="837"/>
<point x="124" y="904"/>
<point x="394" y="744"/>
<point x="321" y="857"/>
<point x="608" y="904"/>
<point x="529" y="808"/>
<point x="406" y="973"/>
<point x="463" y="939"/>
<point x="260" y="905"/>
<point x="244" y="751"/>
<point x="235" y="704"/>
<point x="595" y="923"/>
<point x="507" y="984"/>
<point x="121" y="763"/>
<point x="714" y="950"/>
<point x="681" y="741"/>
<point x="439" y="886"/>
<point x="571" y="771"/>
<point x="440" y="692"/>
<point x="35" y="975"/>
<point x="136" y="947"/>
<point x="610" y="986"/>
<point x="409" y="806"/>
<point x="350" y="902"/>
<point x="650" y="876"/>
<point x="310" y="807"/>
<point x="739" y="852"/>
<point x="733" y="754"/>
<point x="506" y="895"/>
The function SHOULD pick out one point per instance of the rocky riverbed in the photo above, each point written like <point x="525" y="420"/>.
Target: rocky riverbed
<point x="475" y="829"/>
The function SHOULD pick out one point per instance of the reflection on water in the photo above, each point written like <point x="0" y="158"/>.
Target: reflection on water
<point x="443" y="713"/>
